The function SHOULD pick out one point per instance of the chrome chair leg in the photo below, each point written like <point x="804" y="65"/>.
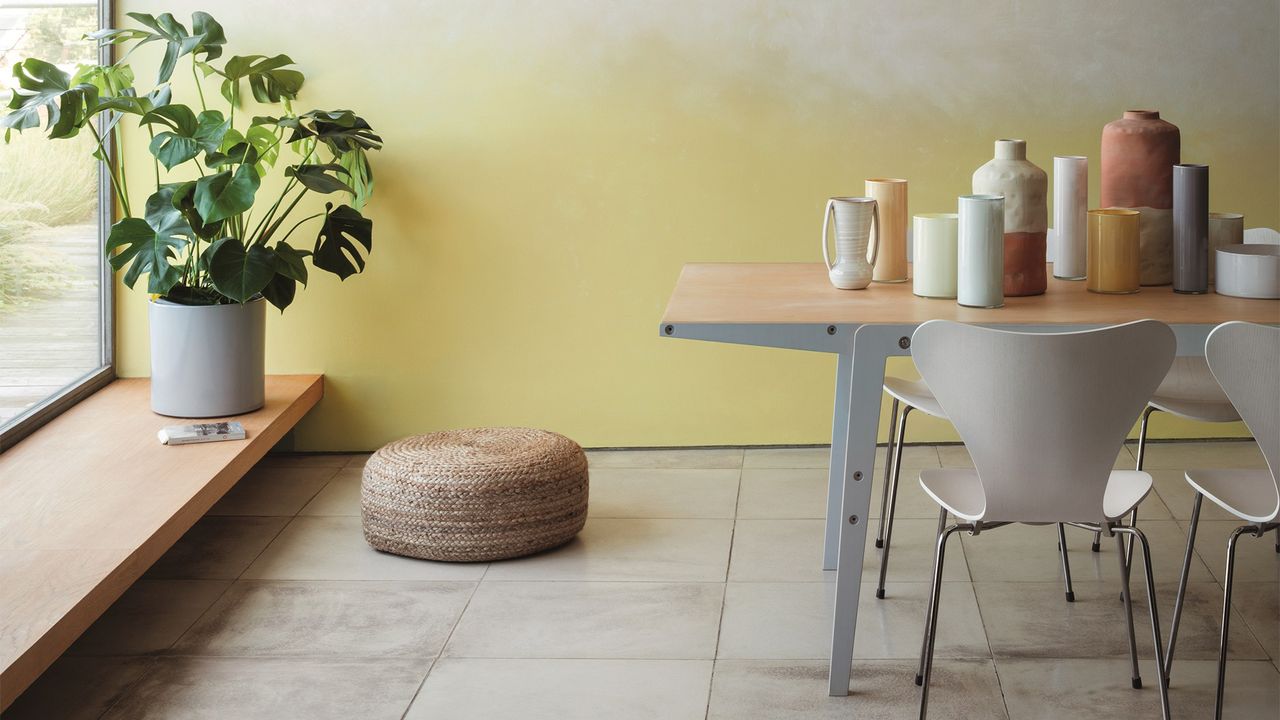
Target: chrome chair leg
<point x="1182" y="584"/>
<point x="1226" y="613"/>
<point x="888" y="453"/>
<point x="1142" y="456"/>
<point x="931" y="625"/>
<point x="1126" y="596"/>
<point x="1066" y="564"/>
<point x="892" y="492"/>
<point x="1162" y="681"/>
<point x="942" y="526"/>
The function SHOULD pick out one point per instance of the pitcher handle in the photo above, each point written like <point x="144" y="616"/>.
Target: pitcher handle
<point x="826" y="217"/>
<point x="875" y="239"/>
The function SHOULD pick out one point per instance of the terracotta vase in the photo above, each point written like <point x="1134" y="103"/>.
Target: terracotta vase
<point x="1138" y="154"/>
<point x="1025" y="188"/>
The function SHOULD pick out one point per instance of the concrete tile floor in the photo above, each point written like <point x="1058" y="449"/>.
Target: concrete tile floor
<point x="694" y="592"/>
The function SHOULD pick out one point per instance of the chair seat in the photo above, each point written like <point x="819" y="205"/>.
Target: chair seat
<point x="1190" y="390"/>
<point x="1248" y="494"/>
<point x="914" y="393"/>
<point x="960" y="492"/>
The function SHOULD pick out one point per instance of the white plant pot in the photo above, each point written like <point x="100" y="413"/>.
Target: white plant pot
<point x="207" y="360"/>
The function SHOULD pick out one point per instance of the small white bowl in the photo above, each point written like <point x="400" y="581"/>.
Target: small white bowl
<point x="1248" y="271"/>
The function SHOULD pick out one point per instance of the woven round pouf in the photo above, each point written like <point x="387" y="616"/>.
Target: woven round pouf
<point x="474" y="495"/>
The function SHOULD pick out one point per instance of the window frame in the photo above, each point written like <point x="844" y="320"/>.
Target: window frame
<point x="54" y="405"/>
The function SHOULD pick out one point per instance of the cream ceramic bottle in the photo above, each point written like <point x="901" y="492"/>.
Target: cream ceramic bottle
<point x="1025" y="188"/>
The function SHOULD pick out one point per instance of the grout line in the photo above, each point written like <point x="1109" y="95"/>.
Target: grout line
<point x="440" y="653"/>
<point x="733" y="531"/>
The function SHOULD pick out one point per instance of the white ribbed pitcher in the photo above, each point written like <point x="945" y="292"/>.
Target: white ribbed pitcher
<point x="852" y="268"/>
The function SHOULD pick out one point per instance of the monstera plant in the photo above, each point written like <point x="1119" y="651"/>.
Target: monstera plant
<point x="204" y="236"/>
<point x="213" y="252"/>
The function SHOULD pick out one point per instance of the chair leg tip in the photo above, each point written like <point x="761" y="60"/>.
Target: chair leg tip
<point x="879" y="543"/>
<point x="919" y="680"/>
<point x="1096" y="547"/>
<point x="1071" y="597"/>
<point x="1137" y="683"/>
<point x="879" y="593"/>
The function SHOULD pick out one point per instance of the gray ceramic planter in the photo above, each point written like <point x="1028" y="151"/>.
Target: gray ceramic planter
<point x="208" y="360"/>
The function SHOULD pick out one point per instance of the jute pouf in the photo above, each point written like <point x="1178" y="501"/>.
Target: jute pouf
<point x="474" y="495"/>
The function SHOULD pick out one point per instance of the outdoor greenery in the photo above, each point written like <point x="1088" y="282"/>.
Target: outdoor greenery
<point x="208" y="239"/>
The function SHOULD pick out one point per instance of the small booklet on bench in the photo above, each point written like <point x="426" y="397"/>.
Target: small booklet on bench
<point x="200" y="433"/>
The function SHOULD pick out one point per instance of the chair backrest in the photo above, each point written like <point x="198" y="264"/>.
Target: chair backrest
<point x="1043" y="414"/>
<point x="1245" y="359"/>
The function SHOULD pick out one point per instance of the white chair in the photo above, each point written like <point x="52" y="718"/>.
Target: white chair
<point x="1043" y="416"/>
<point x="1243" y="358"/>
<point x="916" y="395"/>
<point x="1188" y="391"/>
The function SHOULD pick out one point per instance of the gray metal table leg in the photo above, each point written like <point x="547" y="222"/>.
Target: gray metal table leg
<point x="835" y="473"/>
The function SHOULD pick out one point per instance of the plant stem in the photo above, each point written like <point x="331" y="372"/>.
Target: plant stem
<point x="295" y="226"/>
<point x="111" y="171"/>
<point x="266" y="235"/>
<point x="199" y="88"/>
<point x="154" y="162"/>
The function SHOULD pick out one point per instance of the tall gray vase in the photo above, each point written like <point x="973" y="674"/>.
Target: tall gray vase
<point x="1191" y="228"/>
<point x="207" y="360"/>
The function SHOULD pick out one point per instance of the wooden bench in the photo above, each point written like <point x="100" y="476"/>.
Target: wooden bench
<point x="91" y="500"/>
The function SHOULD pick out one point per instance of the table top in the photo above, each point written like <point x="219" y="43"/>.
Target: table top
<point x="800" y="294"/>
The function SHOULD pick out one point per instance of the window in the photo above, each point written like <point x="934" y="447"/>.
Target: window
<point x="55" y="290"/>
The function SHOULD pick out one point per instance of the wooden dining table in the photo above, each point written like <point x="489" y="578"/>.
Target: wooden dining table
<point x="794" y="306"/>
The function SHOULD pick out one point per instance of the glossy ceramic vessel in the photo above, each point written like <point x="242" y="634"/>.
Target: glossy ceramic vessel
<point x="1138" y="154"/>
<point x="854" y="218"/>
<point x="1191" y="229"/>
<point x="1070" y="208"/>
<point x="980" y="251"/>
<point x="1025" y="188"/>
<point x="1114" y="254"/>
<point x="934" y="245"/>
<point x="890" y="195"/>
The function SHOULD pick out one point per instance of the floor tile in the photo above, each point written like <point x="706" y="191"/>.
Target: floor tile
<point x="589" y="620"/>
<point x="663" y="493"/>
<point x="880" y="689"/>
<point x="1259" y="604"/>
<point x="1034" y="620"/>
<point x="270" y="490"/>
<point x="1256" y="557"/>
<point x="357" y="461"/>
<point x="78" y="688"/>
<point x="149" y="617"/>
<point x="352" y="619"/>
<point x="678" y="458"/>
<point x="316" y="689"/>
<point x="218" y="547"/>
<point x="340" y="497"/>
<point x="791" y="550"/>
<point x="497" y="689"/>
<point x="1096" y="687"/>
<point x="1029" y="553"/>
<point x="1191" y="455"/>
<point x="793" y="621"/>
<point x="334" y="548"/>
<point x="622" y="549"/>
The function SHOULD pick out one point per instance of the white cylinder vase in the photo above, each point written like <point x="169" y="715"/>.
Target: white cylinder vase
<point x="933" y="252"/>
<point x="207" y="360"/>
<point x="980" y="251"/>
<point x="1070" y="207"/>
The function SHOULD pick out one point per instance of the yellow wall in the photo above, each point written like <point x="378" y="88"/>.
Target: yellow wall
<point x="549" y="166"/>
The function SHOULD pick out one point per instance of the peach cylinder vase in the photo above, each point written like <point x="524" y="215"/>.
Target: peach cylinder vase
<point x="1025" y="188"/>
<point x="1114" y="251"/>
<point x="890" y="195"/>
<point x="1138" y="154"/>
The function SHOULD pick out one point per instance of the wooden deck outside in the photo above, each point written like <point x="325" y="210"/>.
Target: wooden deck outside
<point x="52" y="341"/>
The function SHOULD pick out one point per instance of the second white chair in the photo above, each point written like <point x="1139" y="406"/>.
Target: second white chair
<point x="1043" y="417"/>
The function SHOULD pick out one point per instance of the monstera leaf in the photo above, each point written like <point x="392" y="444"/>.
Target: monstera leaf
<point x="189" y="135"/>
<point x="291" y="269"/>
<point x="184" y="202"/>
<point x="320" y="178"/>
<point x="226" y="194"/>
<point x="43" y="85"/>
<point x="147" y="245"/>
<point x="269" y="80"/>
<point x="238" y="272"/>
<point x="336" y="248"/>
<point x="341" y="130"/>
<point x="204" y="41"/>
